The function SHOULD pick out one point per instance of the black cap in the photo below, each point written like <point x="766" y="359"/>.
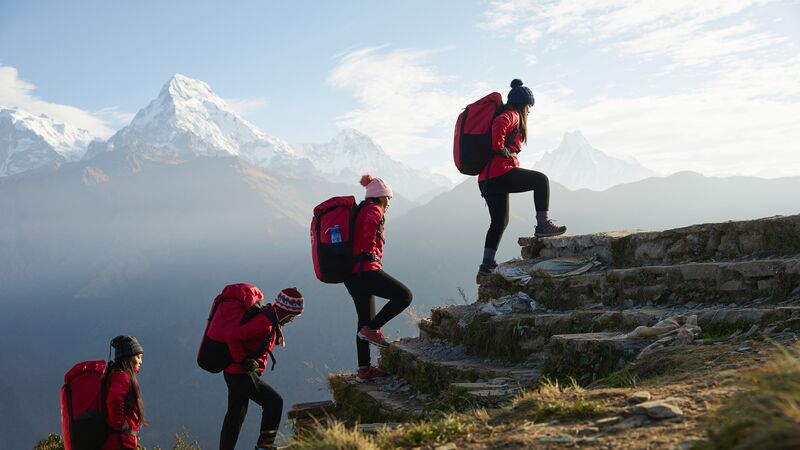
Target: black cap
<point x="125" y="347"/>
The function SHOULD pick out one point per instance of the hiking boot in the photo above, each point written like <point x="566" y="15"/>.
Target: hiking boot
<point x="484" y="270"/>
<point x="365" y="375"/>
<point x="374" y="337"/>
<point x="549" y="229"/>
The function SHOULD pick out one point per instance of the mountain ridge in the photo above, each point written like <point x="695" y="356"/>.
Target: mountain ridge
<point x="187" y="119"/>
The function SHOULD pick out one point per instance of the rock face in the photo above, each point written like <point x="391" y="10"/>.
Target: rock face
<point x="654" y="289"/>
<point x="772" y="236"/>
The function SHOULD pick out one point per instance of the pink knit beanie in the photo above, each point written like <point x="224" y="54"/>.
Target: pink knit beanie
<point x="375" y="186"/>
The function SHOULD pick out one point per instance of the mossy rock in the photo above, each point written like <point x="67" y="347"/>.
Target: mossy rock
<point x="588" y="357"/>
<point x="355" y="405"/>
<point x="426" y="376"/>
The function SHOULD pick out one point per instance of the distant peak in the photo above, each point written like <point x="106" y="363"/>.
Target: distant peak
<point x="575" y="137"/>
<point x="183" y="87"/>
<point x="182" y="80"/>
<point x="351" y="134"/>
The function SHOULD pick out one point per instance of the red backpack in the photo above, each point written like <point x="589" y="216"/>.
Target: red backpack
<point x="472" y="144"/>
<point x="235" y="306"/>
<point x="83" y="408"/>
<point x="332" y="230"/>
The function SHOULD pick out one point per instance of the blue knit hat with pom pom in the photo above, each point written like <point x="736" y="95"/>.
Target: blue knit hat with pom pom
<point x="519" y="94"/>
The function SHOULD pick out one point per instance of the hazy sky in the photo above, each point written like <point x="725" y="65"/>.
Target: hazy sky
<point x="711" y="86"/>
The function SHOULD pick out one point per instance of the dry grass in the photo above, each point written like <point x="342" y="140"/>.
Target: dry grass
<point x="552" y="400"/>
<point x="767" y="414"/>
<point x="438" y="431"/>
<point x="334" y="436"/>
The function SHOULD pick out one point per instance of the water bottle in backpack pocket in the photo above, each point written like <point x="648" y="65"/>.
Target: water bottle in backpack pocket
<point x="336" y="234"/>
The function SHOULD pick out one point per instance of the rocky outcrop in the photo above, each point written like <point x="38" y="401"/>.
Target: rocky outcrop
<point x="768" y="237"/>
<point x="685" y="286"/>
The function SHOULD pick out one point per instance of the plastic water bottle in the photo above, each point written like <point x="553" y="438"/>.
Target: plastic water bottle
<point x="336" y="235"/>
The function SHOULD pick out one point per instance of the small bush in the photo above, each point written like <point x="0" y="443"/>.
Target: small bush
<point x="335" y="436"/>
<point x="767" y="414"/>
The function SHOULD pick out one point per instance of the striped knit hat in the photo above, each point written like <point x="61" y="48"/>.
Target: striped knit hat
<point x="290" y="300"/>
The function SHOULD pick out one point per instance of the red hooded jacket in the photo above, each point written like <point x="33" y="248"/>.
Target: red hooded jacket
<point x="245" y="340"/>
<point x="121" y="413"/>
<point x="368" y="238"/>
<point x="502" y="127"/>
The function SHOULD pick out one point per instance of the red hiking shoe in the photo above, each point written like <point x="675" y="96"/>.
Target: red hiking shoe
<point x="374" y="337"/>
<point x="365" y="375"/>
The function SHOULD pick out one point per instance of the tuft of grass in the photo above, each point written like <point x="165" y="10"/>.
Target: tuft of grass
<point x="453" y="400"/>
<point x="767" y="414"/>
<point x="622" y="379"/>
<point x="551" y="400"/>
<point x="334" y="436"/>
<point x="438" y="431"/>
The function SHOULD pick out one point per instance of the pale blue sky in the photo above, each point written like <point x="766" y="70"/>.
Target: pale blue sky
<point x="711" y="86"/>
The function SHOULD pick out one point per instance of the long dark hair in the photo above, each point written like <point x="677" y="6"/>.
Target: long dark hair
<point x="523" y="119"/>
<point x="126" y="365"/>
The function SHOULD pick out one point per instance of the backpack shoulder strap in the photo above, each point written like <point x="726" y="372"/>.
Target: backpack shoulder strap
<point x="249" y="313"/>
<point x="353" y="215"/>
<point x="275" y="333"/>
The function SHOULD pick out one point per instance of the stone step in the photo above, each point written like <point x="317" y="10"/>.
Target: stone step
<point x="433" y="366"/>
<point x="772" y="280"/>
<point x="382" y="400"/>
<point x="768" y="237"/>
<point x="586" y="357"/>
<point x="518" y="336"/>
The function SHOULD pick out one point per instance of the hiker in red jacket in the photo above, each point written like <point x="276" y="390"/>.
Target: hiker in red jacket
<point x="243" y="376"/>
<point x="368" y="278"/>
<point x="125" y="411"/>
<point x="502" y="175"/>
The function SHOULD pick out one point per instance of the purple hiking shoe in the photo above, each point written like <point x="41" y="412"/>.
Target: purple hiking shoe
<point x="549" y="229"/>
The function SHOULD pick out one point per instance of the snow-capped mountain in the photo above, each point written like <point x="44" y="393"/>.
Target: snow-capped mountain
<point x="351" y="153"/>
<point x="577" y="165"/>
<point x="29" y="142"/>
<point x="188" y="119"/>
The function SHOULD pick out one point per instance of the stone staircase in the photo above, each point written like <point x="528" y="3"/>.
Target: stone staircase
<point x="708" y="282"/>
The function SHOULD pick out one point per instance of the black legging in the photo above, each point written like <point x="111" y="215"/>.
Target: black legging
<point x="241" y="389"/>
<point x="363" y="287"/>
<point x="496" y="190"/>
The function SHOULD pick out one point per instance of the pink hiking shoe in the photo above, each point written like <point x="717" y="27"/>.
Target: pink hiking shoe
<point x="366" y="375"/>
<point x="374" y="337"/>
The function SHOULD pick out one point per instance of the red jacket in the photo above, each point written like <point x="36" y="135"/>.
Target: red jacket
<point x="502" y="127"/>
<point x="121" y="413"/>
<point x="245" y="340"/>
<point x="368" y="238"/>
